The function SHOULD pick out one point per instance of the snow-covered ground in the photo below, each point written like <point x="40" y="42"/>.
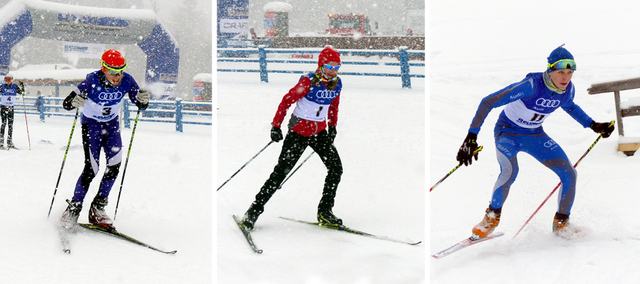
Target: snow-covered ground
<point x="165" y="201"/>
<point x="480" y="47"/>
<point x="381" y="140"/>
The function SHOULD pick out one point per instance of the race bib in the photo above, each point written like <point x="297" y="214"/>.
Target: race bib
<point x="518" y="113"/>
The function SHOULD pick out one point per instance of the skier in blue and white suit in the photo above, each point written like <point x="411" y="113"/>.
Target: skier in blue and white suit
<point x="101" y="95"/>
<point x="519" y="129"/>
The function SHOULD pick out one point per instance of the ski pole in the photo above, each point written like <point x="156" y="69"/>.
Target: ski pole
<point x="294" y="171"/>
<point x="554" y="189"/>
<point x="63" y="160"/>
<point x="245" y="164"/>
<point x="126" y="162"/>
<point x="454" y="169"/>
<point x="25" y="114"/>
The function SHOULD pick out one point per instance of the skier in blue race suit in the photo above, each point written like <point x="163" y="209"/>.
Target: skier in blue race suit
<point x="101" y="95"/>
<point x="519" y="129"/>
<point x="8" y="95"/>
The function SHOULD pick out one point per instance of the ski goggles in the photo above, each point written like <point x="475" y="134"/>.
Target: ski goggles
<point x="563" y="64"/>
<point x="113" y="70"/>
<point x="331" y="67"/>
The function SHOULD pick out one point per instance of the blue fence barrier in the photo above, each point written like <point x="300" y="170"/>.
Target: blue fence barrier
<point x="402" y="54"/>
<point x="178" y="112"/>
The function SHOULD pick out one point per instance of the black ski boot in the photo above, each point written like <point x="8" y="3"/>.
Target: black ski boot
<point x="251" y="216"/>
<point x="326" y="217"/>
<point x="10" y="143"/>
<point x="70" y="216"/>
<point x="325" y="207"/>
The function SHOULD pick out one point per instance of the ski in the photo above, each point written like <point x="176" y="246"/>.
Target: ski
<point x="64" y="235"/>
<point x="113" y="232"/>
<point x="465" y="243"/>
<point x="247" y="235"/>
<point x="352" y="231"/>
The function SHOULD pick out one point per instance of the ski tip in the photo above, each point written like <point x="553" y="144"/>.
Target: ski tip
<point x="67" y="251"/>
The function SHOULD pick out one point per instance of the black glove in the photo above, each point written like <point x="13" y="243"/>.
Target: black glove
<point x="465" y="154"/>
<point x="604" y="128"/>
<point x="276" y="134"/>
<point x="332" y="133"/>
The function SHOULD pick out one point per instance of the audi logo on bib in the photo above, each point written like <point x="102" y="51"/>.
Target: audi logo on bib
<point x="324" y="94"/>
<point x="547" y="103"/>
<point x="110" y="96"/>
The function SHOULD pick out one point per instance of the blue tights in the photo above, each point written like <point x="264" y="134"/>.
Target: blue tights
<point x="546" y="151"/>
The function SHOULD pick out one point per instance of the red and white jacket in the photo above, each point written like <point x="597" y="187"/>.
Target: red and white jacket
<point x="315" y="106"/>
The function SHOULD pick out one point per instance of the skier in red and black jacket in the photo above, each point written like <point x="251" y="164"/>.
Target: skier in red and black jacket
<point x="317" y="96"/>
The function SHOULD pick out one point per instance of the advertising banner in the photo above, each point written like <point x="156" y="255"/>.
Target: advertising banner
<point x="233" y="18"/>
<point x="270" y="23"/>
<point x="82" y="50"/>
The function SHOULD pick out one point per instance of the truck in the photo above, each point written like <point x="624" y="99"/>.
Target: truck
<point x="349" y="25"/>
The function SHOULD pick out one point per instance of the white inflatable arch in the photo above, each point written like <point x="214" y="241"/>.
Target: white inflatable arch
<point x="63" y="22"/>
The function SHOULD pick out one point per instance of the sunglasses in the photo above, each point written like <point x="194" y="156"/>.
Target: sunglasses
<point x="563" y="64"/>
<point x="331" y="67"/>
<point x="114" y="71"/>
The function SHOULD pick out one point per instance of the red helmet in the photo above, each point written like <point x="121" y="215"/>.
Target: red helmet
<point x="113" y="59"/>
<point x="328" y="54"/>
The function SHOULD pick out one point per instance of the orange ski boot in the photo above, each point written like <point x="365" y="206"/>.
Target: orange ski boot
<point x="488" y="224"/>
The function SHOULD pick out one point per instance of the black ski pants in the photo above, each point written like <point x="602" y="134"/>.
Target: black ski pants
<point x="293" y="146"/>
<point x="6" y="112"/>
